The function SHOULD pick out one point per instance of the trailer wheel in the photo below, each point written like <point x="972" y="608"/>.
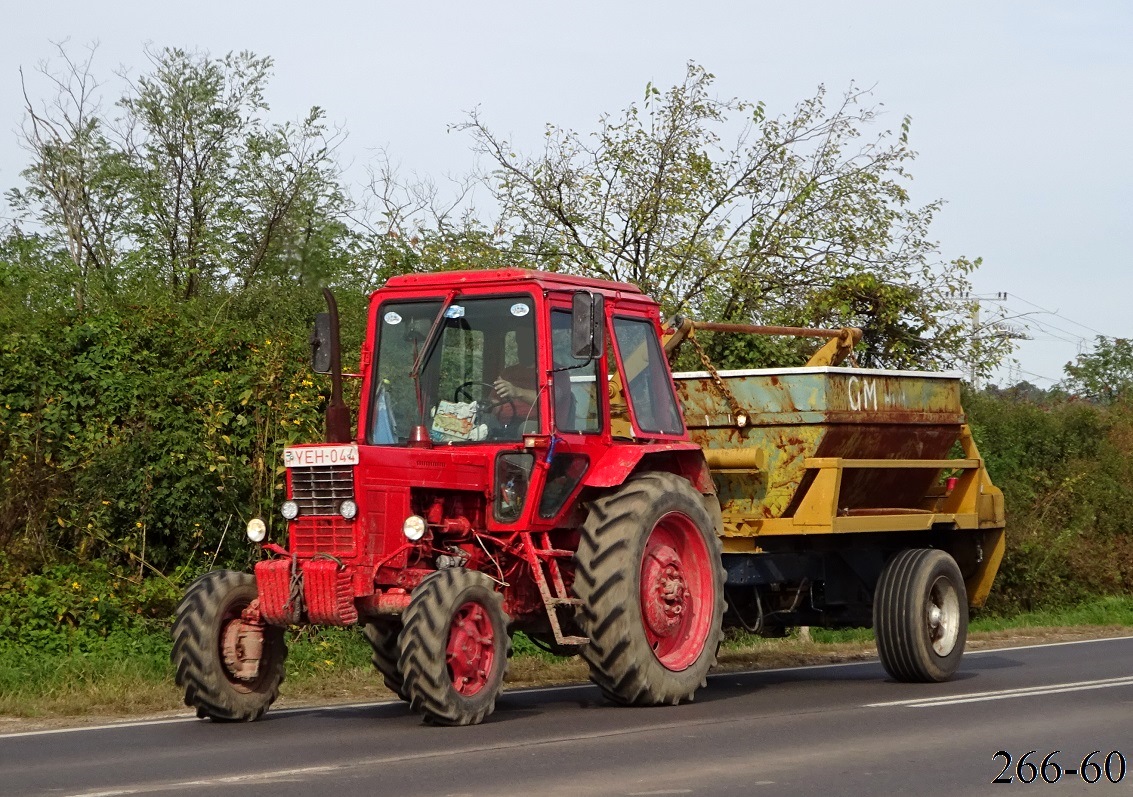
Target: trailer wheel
<point x="229" y="667"/>
<point x="920" y="616"/>
<point x="649" y="574"/>
<point x="454" y="647"/>
<point x="382" y="637"/>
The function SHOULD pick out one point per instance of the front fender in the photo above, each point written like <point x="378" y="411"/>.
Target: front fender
<point x="619" y="461"/>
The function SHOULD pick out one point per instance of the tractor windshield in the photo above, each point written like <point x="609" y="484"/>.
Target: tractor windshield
<point x="478" y="379"/>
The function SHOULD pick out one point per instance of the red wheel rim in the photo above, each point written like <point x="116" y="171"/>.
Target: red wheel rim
<point x="242" y="649"/>
<point x="471" y="648"/>
<point x="676" y="591"/>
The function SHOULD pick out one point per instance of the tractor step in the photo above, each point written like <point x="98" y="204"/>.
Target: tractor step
<point x="573" y="640"/>
<point x="548" y="553"/>
<point x="545" y="569"/>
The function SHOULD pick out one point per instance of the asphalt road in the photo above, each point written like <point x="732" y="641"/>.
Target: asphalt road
<point x="832" y="730"/>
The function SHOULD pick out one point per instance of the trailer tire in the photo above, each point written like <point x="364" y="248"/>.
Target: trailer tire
<point x="920" y="616"/>
<point x="649" y="575"/>
<point x="454" y="647"/>
<point x="210" y="642"/>
<point x="382" y="637"/>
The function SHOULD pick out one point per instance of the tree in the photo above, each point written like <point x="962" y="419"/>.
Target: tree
<point x="145" y="405"/>
<point x="412" y="225"/>
<point x="77" y="177"/>
<point x="187" y="189"/>
<point x="1103" y="374"/>
<point x="222" y="197"/>
<point x="798" y="219"/>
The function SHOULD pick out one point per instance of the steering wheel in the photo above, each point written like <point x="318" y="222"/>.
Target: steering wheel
<point x="491" y="405"/>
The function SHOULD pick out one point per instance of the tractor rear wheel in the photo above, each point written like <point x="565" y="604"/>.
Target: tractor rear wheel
<point x="920" y="616"/>
<point x="382" y="636"/>
<point x="649" y="574"/>
<point x="454" y="647"/>
<point x="229" y="665"/>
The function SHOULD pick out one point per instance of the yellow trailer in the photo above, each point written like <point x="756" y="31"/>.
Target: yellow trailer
<point x="838" y="485"/>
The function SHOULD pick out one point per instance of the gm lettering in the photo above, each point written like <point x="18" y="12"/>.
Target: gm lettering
<point x="862" y="393"/>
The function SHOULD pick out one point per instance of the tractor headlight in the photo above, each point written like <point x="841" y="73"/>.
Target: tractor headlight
<point x="257" y="530"/>
<point x="413" y="528"/>
<point x="289" y="510"/>
<point x="348" y="509"/>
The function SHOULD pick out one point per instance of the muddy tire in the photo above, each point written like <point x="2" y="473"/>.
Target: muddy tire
<point x="454" y="647"/>
<point x="382" y="636"/>
<point x="215" y="650"/>
<point x="649" y="573"/>
<point x="920" y="616"/>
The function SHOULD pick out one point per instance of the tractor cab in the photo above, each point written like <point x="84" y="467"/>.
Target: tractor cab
<point x="496" y="359"/>
<point x="464" y="369"/>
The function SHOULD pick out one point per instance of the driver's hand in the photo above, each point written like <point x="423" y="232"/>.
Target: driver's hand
<point x="504" y="388"/>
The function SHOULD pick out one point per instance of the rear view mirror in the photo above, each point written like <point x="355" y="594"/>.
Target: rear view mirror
<point x="321" y="344"/>
<point x="588" y="317"/>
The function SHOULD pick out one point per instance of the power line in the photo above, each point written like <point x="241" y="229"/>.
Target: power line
<point x="1076" y="340"/>
<point x="1056" y="314"/>
<point x="1038" y="376"/>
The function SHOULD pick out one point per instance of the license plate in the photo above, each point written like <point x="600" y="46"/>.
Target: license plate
<point x="316" y="456"/>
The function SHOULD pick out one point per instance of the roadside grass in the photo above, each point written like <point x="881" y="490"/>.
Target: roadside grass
<point x="1113" y="610"/>
<point x="121" y="675"/>
<point x="111" y="679"/>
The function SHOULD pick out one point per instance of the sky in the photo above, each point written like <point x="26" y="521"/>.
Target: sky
<point x="1021" y="111"/>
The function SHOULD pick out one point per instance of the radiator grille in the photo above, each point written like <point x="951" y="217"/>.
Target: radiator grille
<point x="319" y="490"/>
<point x="330" y="535"/>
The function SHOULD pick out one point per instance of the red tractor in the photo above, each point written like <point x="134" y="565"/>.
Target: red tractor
<point x="522" y="462"/>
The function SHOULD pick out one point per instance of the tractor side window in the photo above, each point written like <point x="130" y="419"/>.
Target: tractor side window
<point x="576" y="387"/>
<point x="649" y="387"/>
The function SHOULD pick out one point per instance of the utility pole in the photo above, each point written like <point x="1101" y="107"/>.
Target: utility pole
<point x="999" y="297"/>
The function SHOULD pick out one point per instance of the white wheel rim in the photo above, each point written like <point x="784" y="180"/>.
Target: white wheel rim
<point x="942" y="616"/>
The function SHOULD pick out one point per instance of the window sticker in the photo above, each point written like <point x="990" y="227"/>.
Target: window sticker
<point x="392" y="318"/>
<point x="455" y="311"/>
<point x="519" y="309"/>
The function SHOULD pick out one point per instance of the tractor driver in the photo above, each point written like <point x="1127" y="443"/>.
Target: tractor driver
<point x="516" y="390"/>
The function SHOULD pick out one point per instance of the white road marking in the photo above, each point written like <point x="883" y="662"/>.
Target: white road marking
<point x="534" y="690"/>
<point x="228" y="780"/>
<point x="283" y="712"/>
<point x="1005" y="694"/>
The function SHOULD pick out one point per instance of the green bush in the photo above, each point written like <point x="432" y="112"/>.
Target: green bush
<point x="152" y="433"/>
<point x="76" y="608"/>
<point x="1065" y="469"/>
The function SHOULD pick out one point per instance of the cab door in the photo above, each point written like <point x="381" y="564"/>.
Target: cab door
<point x="577" y="400"/>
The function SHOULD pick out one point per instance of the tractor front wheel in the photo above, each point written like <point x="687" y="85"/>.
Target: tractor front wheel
<point x="229" y="663"/>
<point x="920" y="616"/>
<point x="649" y="573"/>
<point x="454" y="647"/>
